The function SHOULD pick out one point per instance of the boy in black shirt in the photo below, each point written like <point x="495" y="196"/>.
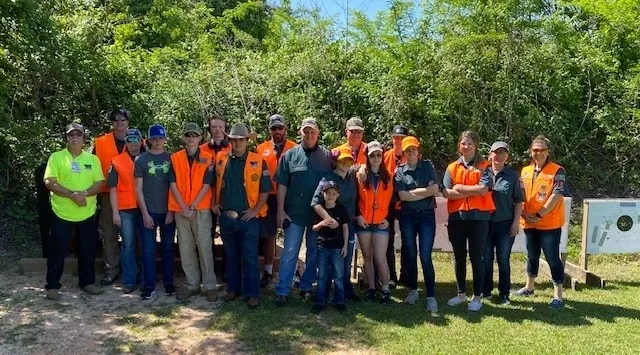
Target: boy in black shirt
<point x="332" y="248"/>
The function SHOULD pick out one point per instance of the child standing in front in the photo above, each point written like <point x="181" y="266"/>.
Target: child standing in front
<point x="332" y="248"/>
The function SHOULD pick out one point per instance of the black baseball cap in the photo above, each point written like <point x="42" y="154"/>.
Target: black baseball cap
<point x="330" y="185"/>
<point x="400" y="130"/>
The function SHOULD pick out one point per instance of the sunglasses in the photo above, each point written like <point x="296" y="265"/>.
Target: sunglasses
<point x="132" y="140"/>
<point x="356" y="131"/>
<point x="119" y="118"/>
<point x="539" y="150"/>
<point x="74" y="134"/>
<point x="192" y="135"/>
<point x="376" y="155"/>
<point x="277" y="128"/>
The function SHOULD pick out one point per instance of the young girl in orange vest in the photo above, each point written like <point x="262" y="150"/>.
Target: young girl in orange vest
<point x="372" y="227"/>
<point x="467" y="184"/>
<point x="543" y="217"/>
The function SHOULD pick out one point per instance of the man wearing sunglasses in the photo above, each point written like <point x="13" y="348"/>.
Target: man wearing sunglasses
<point x="242" y="188"/>
<point x="190" y="178"/>
<point x="271" y="151"/>
<point x="107" y="147"/>
<point x="354" y="145"/>
<point x="126" y="214"/>
<point x="74" y="178"/>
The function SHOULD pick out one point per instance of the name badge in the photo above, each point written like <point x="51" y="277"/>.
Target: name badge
<point x="75" y="167"/>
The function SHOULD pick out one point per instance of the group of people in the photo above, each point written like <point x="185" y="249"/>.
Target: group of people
<point x="326" y="196"/>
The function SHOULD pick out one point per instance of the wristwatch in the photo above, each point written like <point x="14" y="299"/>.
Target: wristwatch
<point x="192" y="207"/>
<point x="538" y="215"/>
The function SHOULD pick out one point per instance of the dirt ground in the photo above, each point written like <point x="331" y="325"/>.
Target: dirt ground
<point x="109" y="323"/>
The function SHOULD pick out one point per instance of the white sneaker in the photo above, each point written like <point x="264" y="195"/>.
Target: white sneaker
<point x="458" y="299"/>
<point x="475" y="305"/>
<point x="412" y="297"/>
<point x="432" y="305"/>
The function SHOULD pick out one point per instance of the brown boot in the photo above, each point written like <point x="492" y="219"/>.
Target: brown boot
<point x="231" y="296"/>
<point x="184" y="293"/>
<point x="253" y="302"/>
<point x="212" y="296"/>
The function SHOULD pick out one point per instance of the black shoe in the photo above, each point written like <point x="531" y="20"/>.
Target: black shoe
<point x="341" y="308"/>
<point x="505" y="301"/>
<point x="370" y="295"/>
<point x="392" y="285"/>
<point x="306" y="295"/>
<point x="169" y="290"/>
<point x="317" y="308"/>
<point x="281" y="301"/>
<point x="147" y="295"/>
<point x="266" y="279"/>
<point x="386" y="297"/>
<point x="353" y="298"/>
<point x="128" y="289"/>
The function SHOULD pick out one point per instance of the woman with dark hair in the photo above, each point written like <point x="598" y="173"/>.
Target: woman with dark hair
<point x="467" y="184"/>
<point x="416" y="184"/>
<point x="372" y="227"/>
<point x="545" y="183"/>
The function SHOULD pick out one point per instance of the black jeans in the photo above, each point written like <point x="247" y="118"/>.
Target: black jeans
<point x="475" y="232"/>
<point x="87" y="240"/>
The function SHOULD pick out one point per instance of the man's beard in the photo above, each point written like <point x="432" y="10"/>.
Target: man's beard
<point x="278" y="138"/>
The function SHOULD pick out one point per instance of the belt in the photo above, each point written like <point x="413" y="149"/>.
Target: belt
<point x="232" y="214"/>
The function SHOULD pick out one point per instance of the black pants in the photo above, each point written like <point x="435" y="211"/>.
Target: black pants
<point x="475" y="232"/>
<point x="87" y="240"/>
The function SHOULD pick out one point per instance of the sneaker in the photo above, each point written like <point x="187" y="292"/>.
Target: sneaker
<point x="253" y="302"/>
<point x="306" y="295"/>
<point x="169" y="290"/>
<point x="432" y="305"/>
<point x="505" y="301"/>
<point x="184" y="293"/>
<point x="317" y="308"/>
<point x="266" y="279"/>
<point x="341" y="308"/>
<point x="281" y="301"/>
<point x="475" y="305"/>
<point x="456" y="300"/>
<point x="556" y="304"/>
<point x="147" y="295"/>
<point x="212" y="296"/>
<point x="109" y="279"/>
<point x="53" y="294"/>
<point x="92" y="290"/>
<point x="128" y="289"/>
<point x="524" y="292"/>
<point x="370" y="295"/>
<point x="386" y="297"/>
<point x="487" y="296"/>
<point x="296" y="279"/>
<point x="392" y="285"/>
<point x="412" y="297"/>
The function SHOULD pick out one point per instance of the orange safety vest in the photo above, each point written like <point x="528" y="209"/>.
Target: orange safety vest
<point x="205" y="147"/>
<point x="362" y="156"/>
<point x="189" y="179"/>
<point x="106" y="150"/>
<point x="126" y="188"/>
<point x="462" y="175"/>
<point x="268" y="152"/>
<point x="537" y="192"/>
<point x="252" y="175"/>
<point x="374" y="203"/>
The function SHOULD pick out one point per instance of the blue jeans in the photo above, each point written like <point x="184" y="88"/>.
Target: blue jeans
<point x="347" y="262"/>
<point x="241" y="255"/>
<point x="423" y="224"/>
<point x="549" y="242"/>
<point x="148" y="242"/>
<point x="500" y="239"/>
<point x="329" y="259"/>
<point x="129" y="230"/>
<point x="289" y="259"/>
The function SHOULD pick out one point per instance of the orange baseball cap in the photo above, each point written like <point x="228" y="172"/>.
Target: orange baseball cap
<point x="409" y="142"/>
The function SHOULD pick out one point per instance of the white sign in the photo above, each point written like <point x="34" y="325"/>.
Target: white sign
<point x="613" y="226"/>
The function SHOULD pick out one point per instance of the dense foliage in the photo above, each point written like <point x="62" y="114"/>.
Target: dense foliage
<point x="508" y="69"/>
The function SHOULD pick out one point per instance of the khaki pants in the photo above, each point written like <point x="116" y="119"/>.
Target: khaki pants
<point x="192" y="234"/>
<point x="109" y="233"/>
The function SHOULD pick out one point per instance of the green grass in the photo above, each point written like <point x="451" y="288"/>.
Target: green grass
<point x="594" y="321"/>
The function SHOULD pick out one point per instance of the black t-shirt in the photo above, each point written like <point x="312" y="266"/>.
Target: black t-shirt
<point x="333" y="238"/>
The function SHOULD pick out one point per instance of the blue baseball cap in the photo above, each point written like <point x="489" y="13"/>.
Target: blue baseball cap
<point x="133" y="136"/>
<point x="157" y="131"/>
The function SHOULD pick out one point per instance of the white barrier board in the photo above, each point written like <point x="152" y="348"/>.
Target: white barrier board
<point x="613" y="226"/>
<point x="442" y="238"/>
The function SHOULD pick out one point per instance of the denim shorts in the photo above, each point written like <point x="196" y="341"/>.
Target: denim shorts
<point x="373" y="229"/>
